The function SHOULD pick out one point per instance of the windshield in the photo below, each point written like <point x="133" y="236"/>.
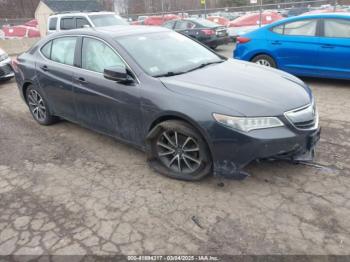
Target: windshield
<point x="167" y="53"/>
<point x="106" y="20"/>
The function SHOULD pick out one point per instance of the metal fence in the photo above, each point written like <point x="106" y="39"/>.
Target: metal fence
<point x="259" y="7"/>
<point x="12" y="22"/>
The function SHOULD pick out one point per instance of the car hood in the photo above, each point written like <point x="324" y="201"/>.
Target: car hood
<point x="242" y="87"/>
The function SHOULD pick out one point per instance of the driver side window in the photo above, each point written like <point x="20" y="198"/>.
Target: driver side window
<point x="96" y="56"/>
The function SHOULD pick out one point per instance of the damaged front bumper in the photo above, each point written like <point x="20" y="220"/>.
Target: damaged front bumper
<point x="232" y="150"/>
<point x="6" y="70"/>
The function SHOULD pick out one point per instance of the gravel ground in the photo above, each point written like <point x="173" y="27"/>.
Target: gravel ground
<point x="67" y="190"/>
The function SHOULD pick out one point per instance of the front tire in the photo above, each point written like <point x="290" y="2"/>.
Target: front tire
<point x="178" y="151"/>
<point x="38" y="107"/>
<point x="264" y="60"/>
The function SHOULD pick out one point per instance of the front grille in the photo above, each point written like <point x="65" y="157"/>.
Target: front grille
<point x="304" y="118"/>
<point x="5" y="70"/>
<point x="306" y="124"/>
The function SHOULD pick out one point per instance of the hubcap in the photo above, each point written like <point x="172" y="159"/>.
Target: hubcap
<point x="263" y="62"/>
<point x="36" y="105"/>
<point x="179" y="152"/>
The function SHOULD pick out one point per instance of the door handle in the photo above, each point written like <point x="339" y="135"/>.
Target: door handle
<point x="327" y="46"/>
<point x="44" y="68"/>
<point x="81" y="80"/>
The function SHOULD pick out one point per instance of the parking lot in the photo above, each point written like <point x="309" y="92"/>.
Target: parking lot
<point x="67" y="190"/>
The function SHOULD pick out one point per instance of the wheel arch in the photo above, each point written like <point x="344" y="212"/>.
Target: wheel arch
<point x="263" y="52"/>
<point x="25" y="86"/>
<point x="154" y="127"/>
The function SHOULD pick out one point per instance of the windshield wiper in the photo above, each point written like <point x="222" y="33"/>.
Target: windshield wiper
<point x="169" y="74"/>
<point x="204" y="65"/>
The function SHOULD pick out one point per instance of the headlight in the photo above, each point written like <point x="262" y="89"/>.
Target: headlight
<point x="247" y="124"/>
<point x="3" y="57"/>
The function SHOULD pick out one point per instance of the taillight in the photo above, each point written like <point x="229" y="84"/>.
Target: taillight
<point x="208" y="32"/>
<point x="14" y="63"/>
<point x="242" y="40"/>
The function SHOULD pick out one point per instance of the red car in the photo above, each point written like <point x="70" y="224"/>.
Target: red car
<point x="250" y="22"/>
<point x="159" y="20"/>
<point x="29" y="29"/>
<point x="219" y="20"/>
<point x="32" y="23"/>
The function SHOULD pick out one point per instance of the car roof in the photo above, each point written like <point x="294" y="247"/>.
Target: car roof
<point x="81" y="14"/>
<point x="310" y="16"/>
<point x="113" y="31"/>
<point x="321" y="15"/>
<point x="327" y="15"/>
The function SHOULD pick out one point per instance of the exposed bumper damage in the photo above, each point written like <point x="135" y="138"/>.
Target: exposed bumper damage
<point x="290" y="146"/>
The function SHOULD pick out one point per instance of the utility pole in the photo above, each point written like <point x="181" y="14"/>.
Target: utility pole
<point x="260" y="16"/>
<point x="127" y="9"/>
<point x="204" y="2"/>
<point x="162" y="7"/>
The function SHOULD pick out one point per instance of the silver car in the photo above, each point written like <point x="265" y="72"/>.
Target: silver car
<point x="6" y="71"/>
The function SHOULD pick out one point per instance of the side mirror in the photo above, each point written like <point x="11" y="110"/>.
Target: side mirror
<point x="118" y="74"/>
<point x="86" y="26"/>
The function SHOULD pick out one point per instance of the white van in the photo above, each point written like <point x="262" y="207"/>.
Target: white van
<point x="68" y="21"/>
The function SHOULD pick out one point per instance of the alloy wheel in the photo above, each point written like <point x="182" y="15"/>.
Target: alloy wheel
<point x="263" y="62"/>
<point x="179" y="152"/>
<point x="36" y="105"/>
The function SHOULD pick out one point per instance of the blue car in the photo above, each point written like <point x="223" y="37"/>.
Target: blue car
<point x="311" y="45"/>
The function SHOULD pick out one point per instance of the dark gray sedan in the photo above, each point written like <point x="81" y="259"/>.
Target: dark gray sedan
<point x="193" y="111"/>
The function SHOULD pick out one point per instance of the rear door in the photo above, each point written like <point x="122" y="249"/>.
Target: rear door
<point x="334" y="55"/>
<point x="55" y="74"/>
<point x="295" y="46"/>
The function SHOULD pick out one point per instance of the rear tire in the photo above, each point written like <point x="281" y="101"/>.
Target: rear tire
<point x="264" y="60"/>
<point x="38" y="107"/>
<point x="178" y="151"/>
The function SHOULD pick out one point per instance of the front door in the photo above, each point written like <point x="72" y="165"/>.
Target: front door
<point x="295" y="45"/>
<point x="105" y="105"/>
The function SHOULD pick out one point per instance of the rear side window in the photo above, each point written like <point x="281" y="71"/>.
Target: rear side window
<point x="337" y="28"/>
<point x="46" y="50"/>
<point x="183" y="25"/>
<point x="63" y="49"/>
<point x="67" y="23"/>
<point x="297" y="28"/>
<point x="53" y="23"/>
<point x="278" y="29"/>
